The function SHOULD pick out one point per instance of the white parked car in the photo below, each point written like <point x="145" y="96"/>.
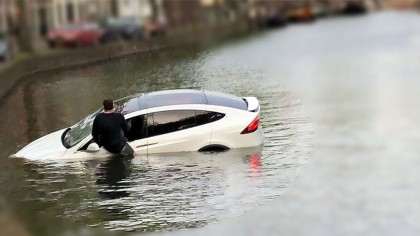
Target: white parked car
<point x="163" y="121"/>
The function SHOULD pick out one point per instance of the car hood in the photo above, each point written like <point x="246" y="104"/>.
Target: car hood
<point x="45" y="147"/>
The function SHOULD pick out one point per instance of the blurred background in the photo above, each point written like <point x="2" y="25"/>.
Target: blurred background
<point x="337" y="81"/>
<point x="44" y="25"/>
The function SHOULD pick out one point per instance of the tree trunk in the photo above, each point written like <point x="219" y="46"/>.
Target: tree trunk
<point x="155" y="10"/>
<point x="24" y="34"/>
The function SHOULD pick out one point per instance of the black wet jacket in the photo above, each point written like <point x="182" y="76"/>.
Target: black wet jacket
<point x="109" y="130"/>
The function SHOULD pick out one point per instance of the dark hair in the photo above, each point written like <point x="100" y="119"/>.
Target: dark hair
<point x="108" y="104"/>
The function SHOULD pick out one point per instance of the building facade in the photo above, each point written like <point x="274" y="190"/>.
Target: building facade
<point x="7" y="15"/>
<point x="50" y="14"/>
<point x="183" y="13"/>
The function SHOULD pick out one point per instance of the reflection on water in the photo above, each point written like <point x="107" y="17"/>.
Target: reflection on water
<point x="177" y="190"/>
<point x="111" y="175"/>
<point x="358" y="78"/>
<point x="254" y="162"/>
<point x="148" y="193"/>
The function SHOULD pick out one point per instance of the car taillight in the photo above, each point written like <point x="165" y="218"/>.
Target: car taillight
<point x="252" y="126"/>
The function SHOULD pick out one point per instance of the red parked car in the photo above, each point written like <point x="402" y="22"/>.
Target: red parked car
<point x="75" y="35"/>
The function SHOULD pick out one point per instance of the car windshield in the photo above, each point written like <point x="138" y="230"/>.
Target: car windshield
<point x="78" y="26"/>
<point x="70" y="27"/>
<point x="83" y="128"/>
<point x="79" y="131"/>
<point x="121" y="21"/>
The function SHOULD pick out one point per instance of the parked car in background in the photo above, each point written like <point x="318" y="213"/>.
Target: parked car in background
<point x="126" y="28"/>
<point x="75" y="35"/>
<point x="275" y="19"/>
<point x="162" y="122"/>
<point x="321" y="10"/>
<point x="6" y="51"/>
<point x="156" y="28"/>
<point x="354" y="7"/>
<point x="300" y="13"/>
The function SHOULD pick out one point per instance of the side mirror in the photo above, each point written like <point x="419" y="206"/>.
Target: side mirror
<point x="93" y="147"/>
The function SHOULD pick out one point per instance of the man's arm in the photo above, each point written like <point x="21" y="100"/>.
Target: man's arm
<point x="95" y="132"/>
<point x="125" y="125"/>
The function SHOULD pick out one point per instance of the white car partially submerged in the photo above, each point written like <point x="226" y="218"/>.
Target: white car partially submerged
<point x="161" y="122"/>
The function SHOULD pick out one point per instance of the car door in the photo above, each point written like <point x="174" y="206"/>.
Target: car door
<point x="178" y="131"/>
<point x="137" y="135"/>
<point x="83" y="35"/>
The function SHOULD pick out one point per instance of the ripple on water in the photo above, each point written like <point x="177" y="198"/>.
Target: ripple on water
<point x="176" y="191"/>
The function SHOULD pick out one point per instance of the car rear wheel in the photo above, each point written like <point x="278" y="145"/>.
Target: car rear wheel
<point x="214" y="148"/>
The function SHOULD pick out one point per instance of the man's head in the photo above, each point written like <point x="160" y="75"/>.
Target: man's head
<point x="108" y="104"/>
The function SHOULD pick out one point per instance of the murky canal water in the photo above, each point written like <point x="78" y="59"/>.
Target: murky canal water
<point x="149" y="193"/>
<point x="352" y="80"/>
<point x="359" y="80"/>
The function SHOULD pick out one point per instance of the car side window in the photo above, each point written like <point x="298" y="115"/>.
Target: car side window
<point x="171" y="121"/>
<point x="202" y="117"/>
<point x="215" y="116"/>
<point x="138" y="128"/>
<point x="150" y="126"/>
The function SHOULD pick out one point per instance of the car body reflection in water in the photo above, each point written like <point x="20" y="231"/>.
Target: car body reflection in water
<point x="177" y="190"/>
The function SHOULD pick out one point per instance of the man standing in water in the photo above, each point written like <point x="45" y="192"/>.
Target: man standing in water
<point x="109" y="130"/>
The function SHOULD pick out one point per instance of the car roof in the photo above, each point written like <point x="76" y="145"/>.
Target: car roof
<point x="178" y="97"/>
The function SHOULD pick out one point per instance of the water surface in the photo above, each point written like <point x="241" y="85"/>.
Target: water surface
<point x="149" y="193"/>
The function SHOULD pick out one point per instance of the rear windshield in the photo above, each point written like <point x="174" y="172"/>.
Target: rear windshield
<point x="167" y="98"/>
<point x="222" y="99"/>
<point x="173" y="98"/>
<point x="128" y="105"/>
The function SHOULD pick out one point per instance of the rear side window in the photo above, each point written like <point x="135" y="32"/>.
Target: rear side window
<point x="171" y="121"/>
<point x="215" y="116"/>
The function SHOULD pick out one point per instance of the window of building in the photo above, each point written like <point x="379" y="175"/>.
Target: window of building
<point x="70" y="12"/>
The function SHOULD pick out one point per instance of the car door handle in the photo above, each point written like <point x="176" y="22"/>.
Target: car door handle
<point x="144" y="145"/>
